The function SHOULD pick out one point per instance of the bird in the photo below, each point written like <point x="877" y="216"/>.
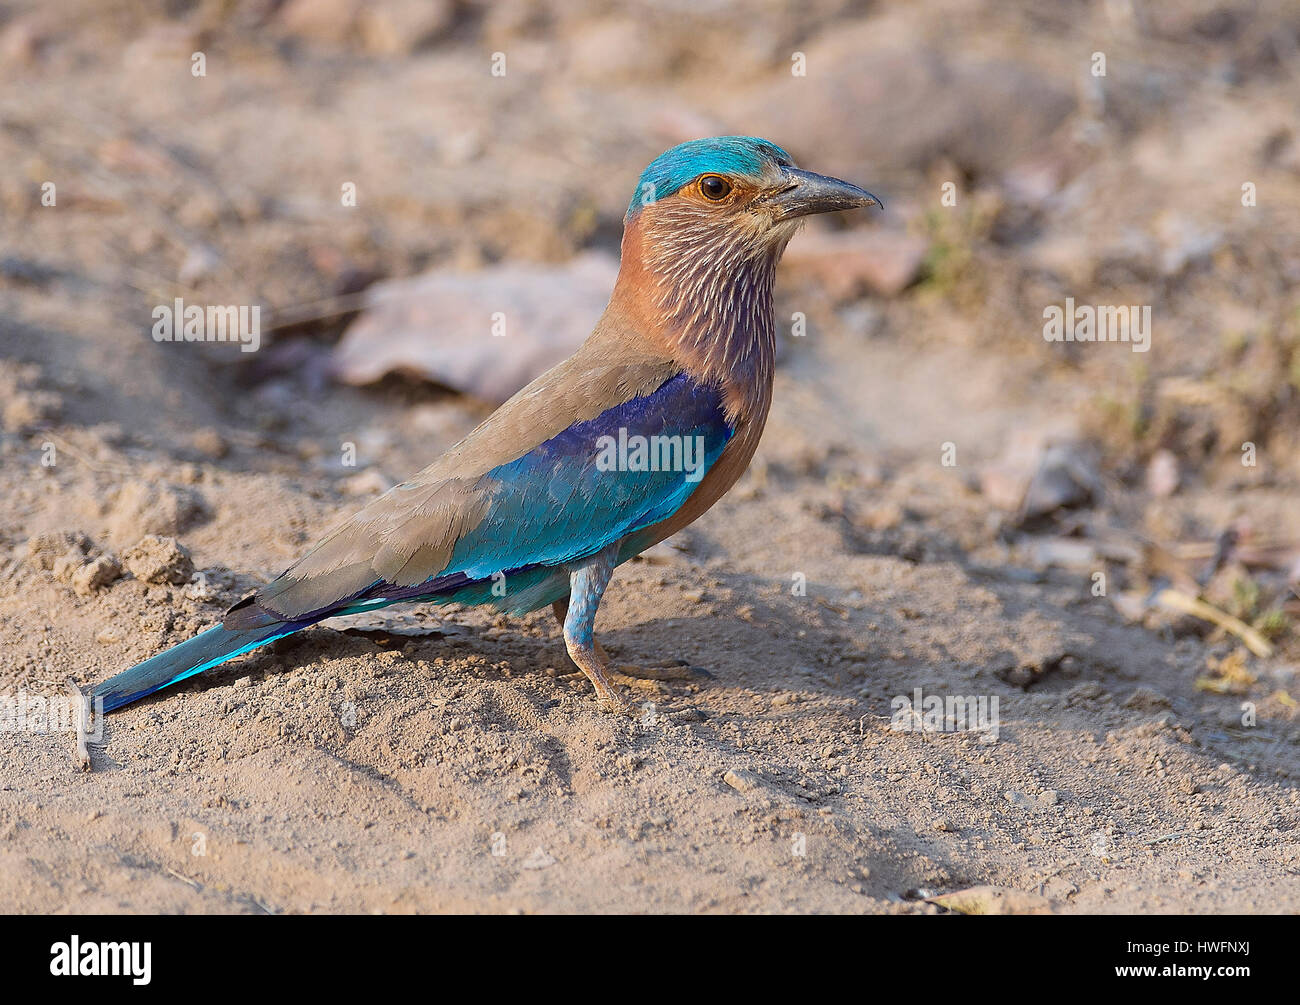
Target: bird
<point x="650" y="421"/>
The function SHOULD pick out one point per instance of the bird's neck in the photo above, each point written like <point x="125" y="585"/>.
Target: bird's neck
<point x="706" y="300"/>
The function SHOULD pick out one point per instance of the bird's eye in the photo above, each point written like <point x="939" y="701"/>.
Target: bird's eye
<point x="714" y="188"/>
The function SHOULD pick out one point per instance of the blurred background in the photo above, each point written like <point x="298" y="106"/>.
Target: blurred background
<point x="1116" y="153"/>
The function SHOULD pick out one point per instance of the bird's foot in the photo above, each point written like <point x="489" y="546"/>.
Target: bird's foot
<point x="609" y="696"/>
<point x="615" y="702"/>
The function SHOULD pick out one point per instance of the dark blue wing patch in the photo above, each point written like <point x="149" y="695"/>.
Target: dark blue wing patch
<point x="597" y="481"/>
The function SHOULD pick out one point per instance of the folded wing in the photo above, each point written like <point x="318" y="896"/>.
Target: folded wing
<point x="629" y="462"/>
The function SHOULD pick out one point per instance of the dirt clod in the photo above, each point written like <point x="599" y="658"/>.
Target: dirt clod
<point x="159" y="560"/>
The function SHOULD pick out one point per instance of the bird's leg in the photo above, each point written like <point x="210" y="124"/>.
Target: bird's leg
<point x="640" y="675"/>
<point x="587" y="584"/>
<point x="561" y="609"/>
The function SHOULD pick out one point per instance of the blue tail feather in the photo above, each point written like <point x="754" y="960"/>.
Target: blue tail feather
<point x="200" y="653"/>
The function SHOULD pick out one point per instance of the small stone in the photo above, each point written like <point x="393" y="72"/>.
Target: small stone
<point x="1066" y="478"/>
<point x="742" y="780"/>
<point x="96" y="574"/>
<point x="66" y="566"/>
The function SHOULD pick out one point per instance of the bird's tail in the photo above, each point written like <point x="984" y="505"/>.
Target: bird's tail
<point x="200" y="653"/>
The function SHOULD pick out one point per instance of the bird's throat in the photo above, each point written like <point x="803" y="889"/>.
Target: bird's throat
<point x="706" y="298"/>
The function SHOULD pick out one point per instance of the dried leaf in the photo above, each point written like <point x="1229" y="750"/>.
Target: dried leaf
<point x="441" y="325"/>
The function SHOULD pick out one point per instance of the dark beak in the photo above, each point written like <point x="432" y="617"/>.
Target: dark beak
<point x="807" y="193"/>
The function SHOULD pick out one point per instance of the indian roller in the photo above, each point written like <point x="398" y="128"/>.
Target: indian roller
<point x="626" y="442"/>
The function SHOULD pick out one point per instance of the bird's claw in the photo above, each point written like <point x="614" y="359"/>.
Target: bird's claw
<point x="614" y="703"/>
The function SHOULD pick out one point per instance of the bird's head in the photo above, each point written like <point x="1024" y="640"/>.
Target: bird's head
<point x="738" y="191"/>
<point x="714" y="215"/>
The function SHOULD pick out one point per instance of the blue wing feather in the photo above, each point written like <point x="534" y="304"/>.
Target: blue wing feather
<point x="556" y="503"/>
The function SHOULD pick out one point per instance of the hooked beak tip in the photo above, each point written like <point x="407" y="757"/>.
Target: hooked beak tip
<point x="808" y="193"/>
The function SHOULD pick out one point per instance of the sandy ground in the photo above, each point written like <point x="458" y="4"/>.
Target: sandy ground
<point x="452" y="760"/>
